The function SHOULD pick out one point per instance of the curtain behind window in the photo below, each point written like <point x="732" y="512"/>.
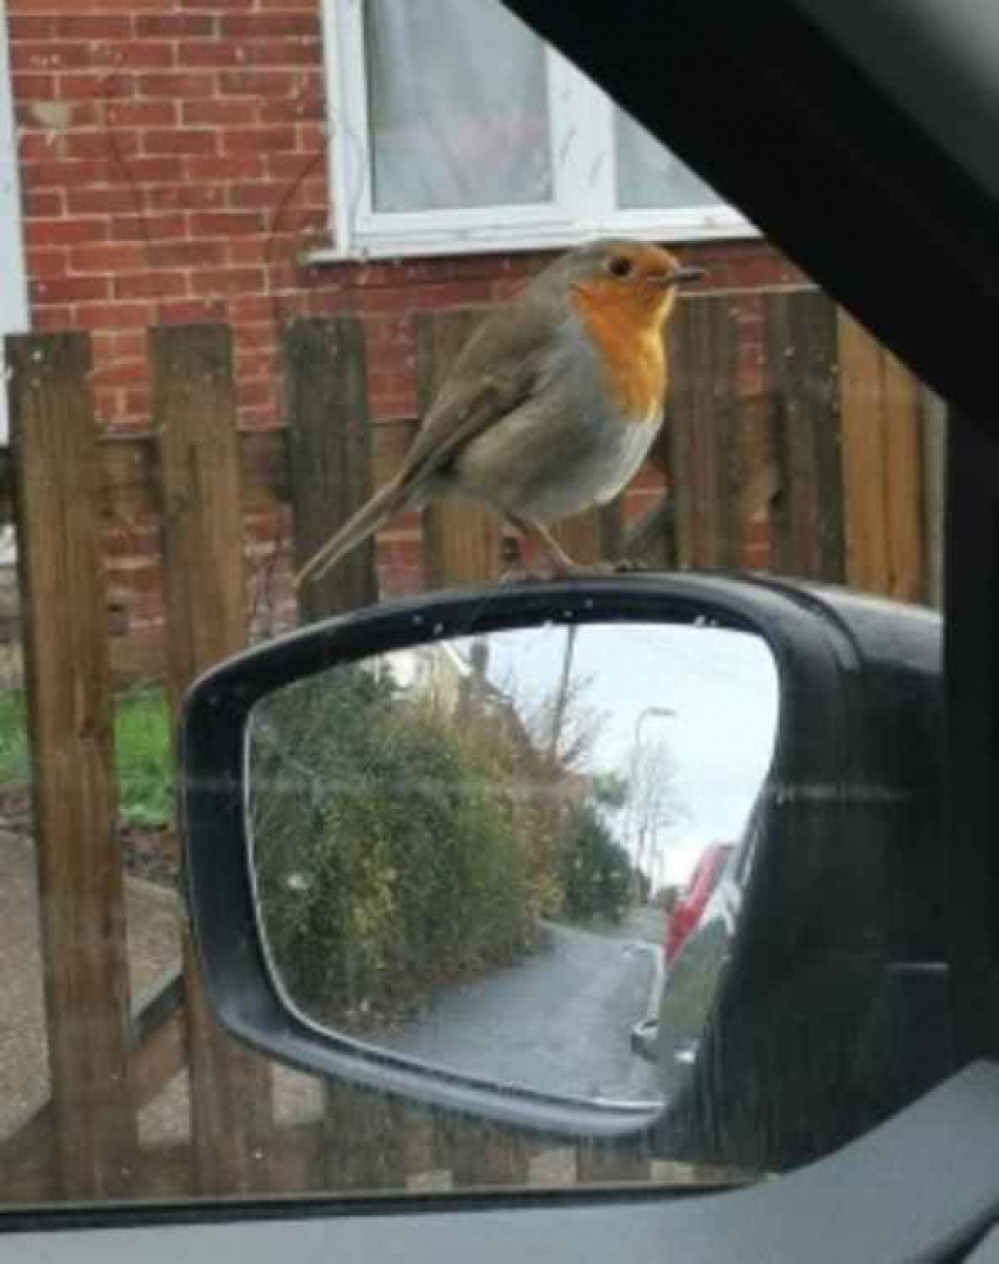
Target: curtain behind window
<point x="458" y="106"/>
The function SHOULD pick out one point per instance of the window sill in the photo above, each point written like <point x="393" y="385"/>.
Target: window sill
<point x="436" y="242"/>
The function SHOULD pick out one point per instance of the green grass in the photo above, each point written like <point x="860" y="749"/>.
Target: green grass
<point x="142" y="754"/>
<point x="144" y="758"/>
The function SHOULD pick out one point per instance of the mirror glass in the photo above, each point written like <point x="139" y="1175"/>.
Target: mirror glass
<point x="465" y="851"/>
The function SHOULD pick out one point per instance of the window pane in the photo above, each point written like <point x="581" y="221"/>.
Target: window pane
<point x="648" y="175"/>
<point x="457" y="107"/>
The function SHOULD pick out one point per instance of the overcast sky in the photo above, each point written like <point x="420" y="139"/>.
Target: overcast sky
<point x="720" y="685"/>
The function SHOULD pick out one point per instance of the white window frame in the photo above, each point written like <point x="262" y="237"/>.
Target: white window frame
<point x="582" y="207"/>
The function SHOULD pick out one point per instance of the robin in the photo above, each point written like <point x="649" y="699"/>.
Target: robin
<point x="552" y="404"/>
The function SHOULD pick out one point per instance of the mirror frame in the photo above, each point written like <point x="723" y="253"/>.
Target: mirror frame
<point x="823" y="739"/>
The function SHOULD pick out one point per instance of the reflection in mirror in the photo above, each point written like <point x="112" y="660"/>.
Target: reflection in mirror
<point x="461" y="850"/>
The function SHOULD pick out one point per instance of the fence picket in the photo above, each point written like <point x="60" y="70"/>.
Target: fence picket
<point x="68" y="685"/>
<point x="330" y="450"/>
<point x="194" y="415"/>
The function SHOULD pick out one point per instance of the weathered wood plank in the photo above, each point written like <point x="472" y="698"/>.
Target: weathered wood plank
<point x="462" y="543"/>
<point x="802" y="350"/>
<point x="904" y="485"/>
<point x="193" y="406"/>
<point x="70" y="725"/>
<point x="702" y="430"/>
<point x="863" y="455"/>
<point x="882" y="468"/>
<point x="934" y="460"/>
<point x="330" y="445"/>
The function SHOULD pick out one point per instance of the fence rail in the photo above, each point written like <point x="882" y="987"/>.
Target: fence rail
<point x="834" y="466"/>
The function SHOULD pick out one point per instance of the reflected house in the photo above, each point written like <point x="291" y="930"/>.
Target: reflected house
<point x="437" y="673"/>
<point x="455" y="683"/>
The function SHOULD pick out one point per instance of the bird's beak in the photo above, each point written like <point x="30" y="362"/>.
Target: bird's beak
<point x="679" y="276"/>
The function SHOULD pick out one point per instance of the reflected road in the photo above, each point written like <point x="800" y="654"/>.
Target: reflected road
<point x="557" y="1022"/>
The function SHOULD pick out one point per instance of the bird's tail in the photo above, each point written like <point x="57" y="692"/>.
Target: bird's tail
<point x="385" y="502"/>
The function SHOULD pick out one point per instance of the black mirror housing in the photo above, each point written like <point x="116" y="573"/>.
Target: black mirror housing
<point x="813" y="1035"/>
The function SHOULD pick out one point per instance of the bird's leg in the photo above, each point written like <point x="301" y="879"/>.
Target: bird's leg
<point x="561" y="563"/>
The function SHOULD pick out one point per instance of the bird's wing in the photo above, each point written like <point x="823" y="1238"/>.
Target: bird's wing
<point x="504" y="363"/>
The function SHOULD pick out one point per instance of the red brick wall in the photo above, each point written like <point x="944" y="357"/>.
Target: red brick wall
<point x="173" y="167"/>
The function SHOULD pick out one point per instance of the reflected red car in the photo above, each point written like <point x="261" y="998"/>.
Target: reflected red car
<point x="689" y="906"/>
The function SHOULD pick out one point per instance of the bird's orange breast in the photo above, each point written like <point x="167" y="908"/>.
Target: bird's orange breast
<point x="627" y="336"/>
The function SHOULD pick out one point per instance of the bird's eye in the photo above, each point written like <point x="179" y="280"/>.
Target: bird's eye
<point x="620" y="266"/>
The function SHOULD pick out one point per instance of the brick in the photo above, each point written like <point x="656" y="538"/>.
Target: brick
<point x="258" y="364"/>
<point x="175" y="25"/>
<point x="225" y="167"/>
<point x="93" y="26"/>
<point x="246" y="250"/>
<point x="191" y="311"/>
<point x="294" y="166"/>
<point x="303" y="22"/>
<point x="258" y="418"/>
<point x="47" y="263"/>
<point x="30" y="26"/>
<point x="304" y="106"/>
<point x="189" y="197"/>
<point x="226" y="5"/>
<point x="259" y="83"/>
<point x="255" y="394"/>
<point x="65" y="175"/>
<point x="265" y="194"/>
<point x="143" y="113"/>
<point x="253" y="307"/>
<point x="59" y="232"/>
<point x="311" y="137"/>
<point x="47" y="319"/>
<point x="71" y="289"/>
<point x="176" y="87"/>
<point x="33" y="87"/>
<point x="151" y="284"/>
<point x="128" y="345"/>
<point x="136" y="403"/>
<point x="178" y="140"/>
<point x="259" y="140"/>
<point x="158" y="229"/>
<point x="113" y="145"/>
<point x="225" y="223"/>
<point x="283" y="52"/>
<point x="106" y="86"/>
<point x="210" y="52"/>
<point x="102" y="201"/>
<point x="121" y="373"/>
<point x="43" y="203"/>
<point x="191" y="254"/>
<point x="227" y="281"/>
<point x="255" y="339"/>
<point x="49" y="55"/>
<point x="112" y="256"/>
<point x="135" y="55"/>
<point x="228" y="112"/>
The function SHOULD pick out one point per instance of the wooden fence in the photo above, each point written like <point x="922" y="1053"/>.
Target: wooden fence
<point x="836" y="462"/>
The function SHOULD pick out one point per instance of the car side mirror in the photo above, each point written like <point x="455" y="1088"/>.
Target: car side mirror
<point x="424" y="843"/>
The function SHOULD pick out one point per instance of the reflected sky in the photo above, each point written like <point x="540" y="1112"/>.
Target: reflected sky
<point x="719" y="685"/>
